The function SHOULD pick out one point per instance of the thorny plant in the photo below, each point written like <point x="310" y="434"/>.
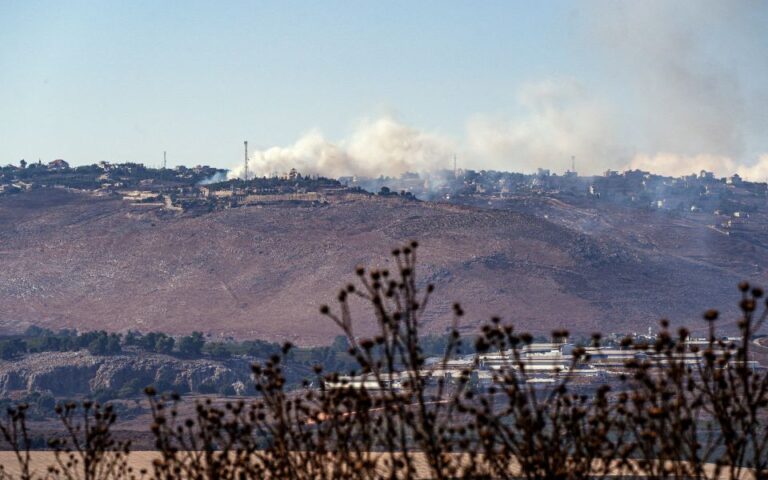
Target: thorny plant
<point x="16" y="434"/>
<point x="678" y="410"/>
<point x="88" y="450"/>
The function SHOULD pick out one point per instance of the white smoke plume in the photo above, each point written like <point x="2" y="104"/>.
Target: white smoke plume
<point x="678" y="63"/>
<point x="560" y="120"/>
<point x="381" y="147"/>
<point x="676" y="104"/>
<point x="679" y="165"/>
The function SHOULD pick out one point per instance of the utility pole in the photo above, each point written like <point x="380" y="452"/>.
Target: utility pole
<point x="245" y="174"/>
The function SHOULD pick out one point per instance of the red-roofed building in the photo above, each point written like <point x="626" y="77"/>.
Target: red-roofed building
<point x="58" y="164"/>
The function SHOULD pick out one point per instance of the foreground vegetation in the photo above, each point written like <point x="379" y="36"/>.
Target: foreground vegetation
<point x="667" y="417"/>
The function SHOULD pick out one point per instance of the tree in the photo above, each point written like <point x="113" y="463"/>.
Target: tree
<point x="10" y="349"/>
<point x="260" y="348"/>
<point x="192" y="345"/>
<point x="105" y="344"/>
<point x="35" y="331"/>
<point x="219" y="350"/>
<point x="98" y="346"/>
<point x="113" y="344"/>
<point x="51" y="343"/>
<point x="155" y="342"/>
<point x="164" y="344"/>
<point x="132" y="338"/>
<point x="340" y="344"/>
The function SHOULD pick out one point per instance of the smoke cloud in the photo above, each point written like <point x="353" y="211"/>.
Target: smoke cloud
<point x="559" y="120"/>
<point x="678" y="64"/>
<point x="676" y="103"/>
<point x="381" y="147"/>
<point x="679" y="165"/>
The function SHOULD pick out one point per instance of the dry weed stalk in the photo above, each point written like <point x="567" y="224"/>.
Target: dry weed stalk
<point x="678" y="411"/>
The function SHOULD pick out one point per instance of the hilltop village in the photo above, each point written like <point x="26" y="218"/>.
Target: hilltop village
<point x="726" y="203"/>
<point x="198" y="190"/>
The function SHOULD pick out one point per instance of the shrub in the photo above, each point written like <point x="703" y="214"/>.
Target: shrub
<point x="667" y="417"/>
<point x="192" y="345"/>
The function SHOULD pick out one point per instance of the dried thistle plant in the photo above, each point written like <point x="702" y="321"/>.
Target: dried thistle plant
<point x="88" y="449"/>
<point x="678" y="410"/>
<point x="16" y="434"/>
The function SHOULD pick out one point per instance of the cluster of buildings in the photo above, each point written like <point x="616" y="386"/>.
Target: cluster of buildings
<point x="731" y="200"/>
<point x="13" y="184"/>
<point x="200" y="188"/>
<point x="543" y="364"/>
<point x="693" y="193"/>
<point x="728" y="203"/>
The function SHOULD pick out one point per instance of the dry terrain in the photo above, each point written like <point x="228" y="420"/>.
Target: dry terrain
<point x="142" y="461"/>
<point x="75" y="260"/>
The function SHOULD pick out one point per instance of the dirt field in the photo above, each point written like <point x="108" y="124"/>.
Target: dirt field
<point x="143" y="460"/>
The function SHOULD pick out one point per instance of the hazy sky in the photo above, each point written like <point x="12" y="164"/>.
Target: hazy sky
<point x="351" y="86"/>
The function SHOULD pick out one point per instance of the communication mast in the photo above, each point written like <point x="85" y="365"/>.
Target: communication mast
<point x="164" y="162"/>
<point x="245" y="174"/>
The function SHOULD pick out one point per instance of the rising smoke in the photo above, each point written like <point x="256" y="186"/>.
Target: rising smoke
<point x="678" y="67"/>
<point x="678" y="105"/>
<point x="560" y="119"/>
<point x="381" y="147"/>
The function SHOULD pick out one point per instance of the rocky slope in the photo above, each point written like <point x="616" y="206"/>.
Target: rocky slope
<point x="72" y="260"/>
<point x="79" y="373"/>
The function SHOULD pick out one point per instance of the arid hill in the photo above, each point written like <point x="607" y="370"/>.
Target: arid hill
<point x="76" y="260"/>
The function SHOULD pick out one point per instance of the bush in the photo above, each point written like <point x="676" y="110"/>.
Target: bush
<point x="227" y="391"/>
<point x="10" y="349"/>
<point x="206" y="388"/>
<point x="104" y="344"/>
<point x="132" y="387"/>
<point x="192" y="345"/>
<point x="667" y="416"/>
<point x="218" y="350"/>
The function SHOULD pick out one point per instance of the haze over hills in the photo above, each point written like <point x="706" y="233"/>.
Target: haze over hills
<point x="70" y="258"/>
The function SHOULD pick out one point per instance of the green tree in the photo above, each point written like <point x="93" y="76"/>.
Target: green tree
<point x="10" y="349"/>
<point x="132" y="338"/>
<point x="164" y="344"/>
<point x="113" y="344"/>
<point x="192" y="345"/>
<point x="105" y="344"/>
<point x="99" y="345"/>
<point x="219" y="350"/>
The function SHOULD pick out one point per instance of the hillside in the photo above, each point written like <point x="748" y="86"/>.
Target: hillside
<point x="77" y="260"/>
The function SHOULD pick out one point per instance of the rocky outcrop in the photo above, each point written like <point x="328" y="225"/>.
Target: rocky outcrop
<point x="80" y="373"/>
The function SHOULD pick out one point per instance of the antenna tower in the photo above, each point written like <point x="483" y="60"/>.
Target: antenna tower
<point x="573" y="163"/>
<point x="455" y="172"/>
<point x="245" y="175"/>
<point x="164" y="162"/>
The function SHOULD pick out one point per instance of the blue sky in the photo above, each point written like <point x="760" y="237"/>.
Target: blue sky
<point x="495" y="81"/>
